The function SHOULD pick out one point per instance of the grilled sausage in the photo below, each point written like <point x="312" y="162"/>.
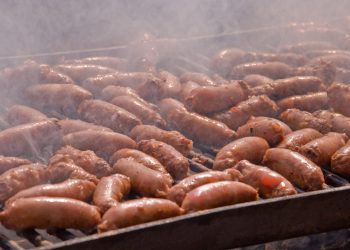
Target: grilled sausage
<point x="291" y="59"/>
<point x="338" y="122"/>
<point x="173" y="138"/>
<point x="49" y="75"/>
<point x="19" y="114"/>
<point x="186" y="89"/>
<point x="272" y="130"/>
<point x="255" y="80"/>
<point x="296" y="168"/>
<point x="70" y="126"/>
<point x="218" y="194"/>
<point x="269" y="183"/>
<point x="175" y="163"/>
<point x="48" y="212"/>
<point x="308" y="102"/>
<point x="110" y="191"/>
<point x="138" y="211"/>
<point x="340" y="161"/>
<point x="200" y="78"/>
<point x="325" y="71"/>
<point x="247" y="148"/>
<point x="303" y="47"/>
<point x="227" y="58"/>
<point x="116" y="63"/>
<point x="298" y="138"/>
<point x="7" y="163"/>
<point x="326" y="52"/>
<point x="338" y="60"/>
<point x="339" y="98"/>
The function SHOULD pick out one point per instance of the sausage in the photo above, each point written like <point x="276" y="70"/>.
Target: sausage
<point x="338" y="122"/>
<point x="70" y="126"/>
<point x="309" y="102"/>
<point x="326" y="71"/>
<point x="339" y="98"/>
<point x="186" y="89"/>
<point x="62" y="98"/>
<point x="108" y="115"/>
<point x="342" y="75"/>
<point x="200" y="78"/>
<point x="178" y="192"/>
<point x="269" y="183"/>
<point x="297" y="119"/>
<point x="20" y="178"/>
<point x="49" y="75"/>
<point x="318" y="53"/>
<point x="144" y="181"/>
<point x="103" y="143"/>
<point x="19" y="114"/>
<point x="298" y="138"/>
<point x="321" y="149"/>
<point x="74" y="189"/>
<point x="303" y="47"/>
<point x="175" y="163"/>
<point x="173" y="138"/>
<point x="116" y="63"/>
<point x="298" y="169"/>
<point x="291" y="59"/>
<point x="339" y="60"/>
<point x="240" y="114"/>
<point x="87" y="160"/>
<point x="208" y="99"/>
<point x="110" y="191"/>
<point x="138" y="211"/>
<point x="340" y="161"/>
<point x="48" y="212"/>
<point x="218" y="194"/>
<point x="198" y="128"/>
<point x="7" y="163"/>
<point x="272" y="130"/>
<point x="255" y="80"/>
<point x="247" y="148"/>
<point x="146" y="114"/>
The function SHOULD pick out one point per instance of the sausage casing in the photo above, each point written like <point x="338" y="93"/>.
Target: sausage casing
<point x="7" y="163"/>
<point x="338" y="122"/>
<point x="339" y="98"/>
<point x="274" y="70"/>
<point x="200" y="78"/>
<point x="308" y="102"/>
<point x="19" y="114"/>
<point x="70" y="126"/>
<point x="298" y="138"/>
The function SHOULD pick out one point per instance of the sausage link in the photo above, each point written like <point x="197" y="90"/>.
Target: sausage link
<point x="338" y="122"/>
<point x="309" y="102"/>
<point x="298" y="138"/>
<point x="223" y="61"/>
<point x="340" y="161"/>
<point x="186" y="89"/>
<point x="7" y="163"/>
<point x="62" y="171"/>
<point x="199" y="78"/>
<point x="19" y="114"/>
<point x="339" y="98"/>
<point x="116" y="63"/>
<point x="49" y="75"/>
<point x="303" y="47"/>
<point x="339" y="60"/>
<point x="291" y="59"/>
<point x="70" y="126"/>
<point x="255" y="80"/>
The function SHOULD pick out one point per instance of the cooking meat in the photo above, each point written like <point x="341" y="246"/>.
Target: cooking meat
<point x="7" y="163"/>
<point x="339" y="60"/>
<point x="255" y="80"/>
<point x="186" y="89"/>
<point x="298" y="138"/>
<point x="309" y="102"/>
<point x="19" y="114"/>
<point x="223" y="61"/>
<point x="303" y="47"/>
<point x="324" y="70"/>
<point x="338" y="122"/>
<point x="49" y="75"/>
<point x="70" y="126"/>
<point x="343" y="75"/>
<point x="291" y="59"/>
<point x="199" y="78"/>
<point x="326" y="52"/>
<point x="116" y="63"/>
<point x="340" y="161"/>
<point x="339" y="98"/>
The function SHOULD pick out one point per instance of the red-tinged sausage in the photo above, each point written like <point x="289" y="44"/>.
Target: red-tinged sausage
<point x="62" y="98"/>
<point x="339" y="60"/>
<point x="339" y="98"/>
<point x="291" y="59"/>
<point x="208" y="99"/>
<point x="49" y="75"/>
<point x="138" y="211"/>
<point x="272" y="130"/>
<point x="103" y="143"/>
<point x="218" y="194"/>
<point x="144" y="181"/>
<point x="20" y="178"/>
<point x="297" y="119"/>
<point x="186" y="89"/>
<point x="321" y="149"/>
<point x="198" y="128"/>
<point x="7" y="163"/>
<point x="116" y="63"/>
<point x="173" y="138"/>
<point x="309" y="102"/>
<point x="303" y="47"/>
<point x="298" y="169"/>
<point x="240" y="114"/>
<point x="70" y="126"/>
<point x="338" y="122"/>
<point x="110" y="191"/>
<point x="175" y="163"/>
<point x="269" y="183"/>
<point x="48" y="212"/>
<point x="19" y="114"/>
<point x="178" y="192"/>
<point x="318" y="53"/>
<point x="340" y="161"/>
<point x="324" y="70"/>
<point x="199" y="78"/>
<point x="343" y="75"/>
<point x="247" y="148"/>
<point x="298" y="138"/>
<point x="255" y="80"/>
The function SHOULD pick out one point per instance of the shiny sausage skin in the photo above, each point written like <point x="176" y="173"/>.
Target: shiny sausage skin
<point x="255" y="80"/>
<point x="247" y="148"/>
<point x="338" y="122"/>
<point x="272" y="130"/>
<point x="7" y="163"/>
<point x="110" y="191"/>
<point x="186" y="89"/>
<point x="207" y="99"/>
<point x="19" y="114"/>
<point x="49" y="75"/>
<point x="240" y="114"/>
<point x="340" y="161"/>
<point x="218" y="194"/>
<point x="296" y="168"/>
<point x="321" y="149"/>
<point x="303" y="47"/>
<point x="48" y="212"/>
<point x="20" y="178"/>
<point x="70" y="126"/>
<point x="173" y="138"/>
<point x="325" y="71"/>
<point x="269" y="183"/>
<point x="175" y="163"/>
<point x="116" y="63"/>
<point x="61" y="171"/>
<point x="178" y="192"/>
<point x="198" y="128"/>
<point x="223" y="61"/>
<point x="199" y="78"/>
<point x="309" y="102"/>
<point x="339" y="60"/>
<point x="138" y="211"/>
<point x="108" y="115"/>
<point x="144" y="181"/>
<point x="326" y="52"/>
<point x="339" y="98"/>
<point x="298" y="138"/>
<point x="290" y="59"/>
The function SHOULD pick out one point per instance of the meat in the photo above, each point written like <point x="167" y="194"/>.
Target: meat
<point x="218" y="194"/>
<point x="173" y="138"/>
<point x="110" y="191"/>
<point x="186" y="89"/>
<point x="175" y="163"/>
<point x="49" y="75"/>
<point x="199" y="78"/>
<point x="7" y="163"/>
<point x="198" y="128"/>
<point x="19" y="114"/>
<point x="308" y="102"/>
<point x="272" y="130"/>
<point x="325" y="71"/>
<point x="338" y="122"/>
<point x="290" y="59"/>
<point x="340" y="161"/>
<point x="48" y="212"/>
<point x="116" y="63"/>
<point x="298" y="138"/>
<point x="269" y="183"/>
<point x="108" y="115"/>
<point x="227" y="58"/>
<point x="304" y="47"/>
<point x="255" y="80"/>
<point x="339" y="60"/>
<point x="296" y="168"/>
<point x="70" y="126"/>
<point x="321" y="149"/>
<point x="247" y="148"/>
<point x="61" y="171"/>
<point x="138" y="211"/>
<point x="339" y="98"/>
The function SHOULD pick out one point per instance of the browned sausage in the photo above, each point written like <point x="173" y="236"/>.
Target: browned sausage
<point x="138" y="211"/>
<point x="272" y="130"/>
<point x="186" y="89"/>
<point x="324" y="70"/>
<point x="175" y="163"/>
<point x="199" y="78"/>
<point x="298" y="138"/>
<point x="70" y="126"/>
<point x="296" y="168"/>
<point x="342" y="75"/>
<point x="49" y="75"/>
<point x="290" y="59"/>
<point x="326" y="52"/>
<point x="19" y="114"/>
<point x="303" y="47"/>
<point x="7" y="163"/>
<point x="116" y="63"/>
<point x="339" y="98"/>
<point x="227" y="58"/>
<point x="255" y="80"/>
<point x="308" y="102"/>
<point x="338" y="122"/>
<point x="340" y="161"/>
<point x="173" y="138"/>
<point x="218" y="194"/>
<point x="269" y="183"/>
<point x="48" y="212"/>
<point x="247" y="148"/>
<point x="339" y="60"/>
<point x="110" y="191"/>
